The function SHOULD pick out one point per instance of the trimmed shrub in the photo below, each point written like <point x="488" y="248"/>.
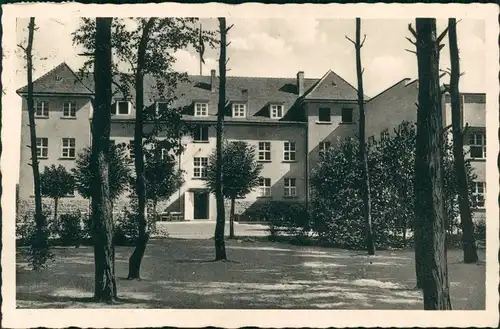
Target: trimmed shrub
<point x="70" y="229"/>
<point x="127" y="227"/>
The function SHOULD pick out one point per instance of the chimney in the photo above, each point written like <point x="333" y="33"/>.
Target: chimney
<point x="212" y="80"/>
<point x="300" y="83"/>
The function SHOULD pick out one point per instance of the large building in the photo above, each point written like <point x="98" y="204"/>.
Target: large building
<point x="289" y="120"/>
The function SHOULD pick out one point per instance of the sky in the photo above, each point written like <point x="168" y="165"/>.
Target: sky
<point x="280" y="48"/>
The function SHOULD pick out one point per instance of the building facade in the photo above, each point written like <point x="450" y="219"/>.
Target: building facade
<point x="290" y="121"/>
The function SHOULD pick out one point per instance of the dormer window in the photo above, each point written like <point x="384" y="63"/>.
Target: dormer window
<point x="200" y="109"/>
<point x="276" y="111"/>
<point x="239" y="110"/>
<point x="161" y="107"/>
<point x="121" y="107"/>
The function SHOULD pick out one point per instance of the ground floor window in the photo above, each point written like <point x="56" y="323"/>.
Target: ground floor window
<point x="290" y="187"/>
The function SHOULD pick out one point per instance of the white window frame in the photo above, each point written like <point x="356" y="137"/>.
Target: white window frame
<point x="276" y="111"/>
<point x="68" y="144"/>
<point x="164" y="154"/>
<point x="239" y="110"/>
<point x="69" y="110"/>
<point x="264" y="151"/>
<point x="43" y="106"/>
<point x="200" y="131"/>
<point x="200" y="165"/>
<point x="290" y="187"/>
<point x="477" y="194"/>
<point x="264" y="187"/>
<point x="117" y="107"/>
<point x="289" y="151"/>
<point x="323" y="147"/>
<point x="41" y="148"/>
<point x="200" y="109"/>
<point x="157" y="106"/>
<point x="473" y="142"/>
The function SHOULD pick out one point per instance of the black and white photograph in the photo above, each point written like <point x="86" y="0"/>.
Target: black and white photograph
<point x="309" y="165"/>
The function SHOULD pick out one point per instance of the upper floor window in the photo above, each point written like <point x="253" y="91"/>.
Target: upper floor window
<point x="264" y="151"/>
<point x="477" y="143"/>
<point x="324" y="115"/>
<point x="201" y="109"/>
<point x="42" y="109"/>
<point x="264" y="187"/>
<point x="161" y="107"/>
<point x="290" y="187"/>
<point x="478" y="192"/>
<point x="200" y="134"/>
<point x="69" y="110"/>
<point x="121" y="108"/>
<point x="42" y="147"/>
<point x="323" y="147"/>
<point x="347" y="115"/>
<point x="289" y="151"/>
<point x="239" y="110"/>
<point x="276" y="111"/>
<point x="68" y="150"/>
<point x="200" y="167"/>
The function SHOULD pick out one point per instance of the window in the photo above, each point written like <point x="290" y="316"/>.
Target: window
<point x="131" y="150"/>
<point x="346" y="115"/>
<point x="161" y="107"/>
<point x="239" y="110"/>
<point x="264" y="187"/>
<point x="276" y="111"/>
<point x="290" y="187"/>
<point x="477" y="142"/>
<point x="384" y="134"/>
<point x="201" y="109"/>
<point x="164" y="154"/>
<point x="324" y="115"/>
<point x="121" y="108"/>
<point x="478" y="193"/>
<point x="200" y="167"/>
<point x="289" y="151"/>
<point x="69" y="110"/>
<point x="68" y="148"/>
<point x="42" y="109"/>
<point x="323" y="147"/>
<point x="200" y="134"/>
<point x="264" y="151"/>
<point x="42" y="147"/>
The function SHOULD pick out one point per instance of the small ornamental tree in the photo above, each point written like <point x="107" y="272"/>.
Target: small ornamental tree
<point x="240" y="174"/>
<point x="56" y="183"/>
<point x="163" y="177"/>
<point x="119" y="172"/>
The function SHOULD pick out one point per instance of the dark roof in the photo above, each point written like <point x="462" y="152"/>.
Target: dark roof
<point x="59" y="80"/>
<point x="258" y="92"/>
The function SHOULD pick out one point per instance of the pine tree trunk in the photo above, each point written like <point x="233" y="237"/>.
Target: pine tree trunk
<point x="365" y="178"/>
<point x="220" y="248"/>
<point x="102" y="215"/>
<point x="468" y="241"/>
<point x="140" y="188"/>
<point x="231" y="220"/>
<point x="429" y="203"/>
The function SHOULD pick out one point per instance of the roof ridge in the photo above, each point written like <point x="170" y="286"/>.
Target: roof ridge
<point x="313" y="87"/>
<point x="77" y="77"/>
<point x="389" y="88"/>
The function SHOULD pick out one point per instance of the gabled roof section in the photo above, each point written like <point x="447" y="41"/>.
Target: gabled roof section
<point x="60" y="80"/>
<point x="331" y="87"/>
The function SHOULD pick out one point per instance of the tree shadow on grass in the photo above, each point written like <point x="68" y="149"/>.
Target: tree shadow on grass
<point x="202" y="261"/>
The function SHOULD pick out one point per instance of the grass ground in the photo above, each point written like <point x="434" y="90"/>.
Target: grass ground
<point x="181" y="274"/>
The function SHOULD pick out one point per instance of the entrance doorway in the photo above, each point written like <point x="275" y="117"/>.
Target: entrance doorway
<point x="201" y="204"/>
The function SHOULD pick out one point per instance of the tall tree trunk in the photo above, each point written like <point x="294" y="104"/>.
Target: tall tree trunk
<point x="1" y="189"/>
<point x="429" y="205"/>
<point x="468" y="243"/>
<point x="102" y="215"/>
<point x="365" y="178"/>
<point x="56" y="202"/>
<point x="231" y="220"/>
<point x="220" y="248"/>
<point x="135" y="259"/>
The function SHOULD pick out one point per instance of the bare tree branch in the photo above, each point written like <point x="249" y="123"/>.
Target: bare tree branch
<point x="227" y="44"/>
<point x="354" y="43"/>
<point x="86" y="54"/>
<point x="466" y="129"/>
<point x="363" y="42"/>
<point x="411" y="51"/>
<point x="22" y="47"/>
<point x="411" y="41"/>
<point x="230" y="27"/>
<point x="441" y="46"/>
<point x="410" y="28"/>
<point x="442" y="35"/>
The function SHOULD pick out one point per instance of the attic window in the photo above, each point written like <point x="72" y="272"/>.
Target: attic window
<point x="276" y="111"/>
<point x="161" y="107"/>
<point x="239" y="110"/>
<point x="121" y="108"/>
<point x="200" y="109"/>
<point x="58" y="78"/>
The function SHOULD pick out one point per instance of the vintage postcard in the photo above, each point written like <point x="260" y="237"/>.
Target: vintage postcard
<point x="250" y="165"/>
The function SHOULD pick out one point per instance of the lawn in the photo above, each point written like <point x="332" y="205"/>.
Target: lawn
<point x="181" y="274"/>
